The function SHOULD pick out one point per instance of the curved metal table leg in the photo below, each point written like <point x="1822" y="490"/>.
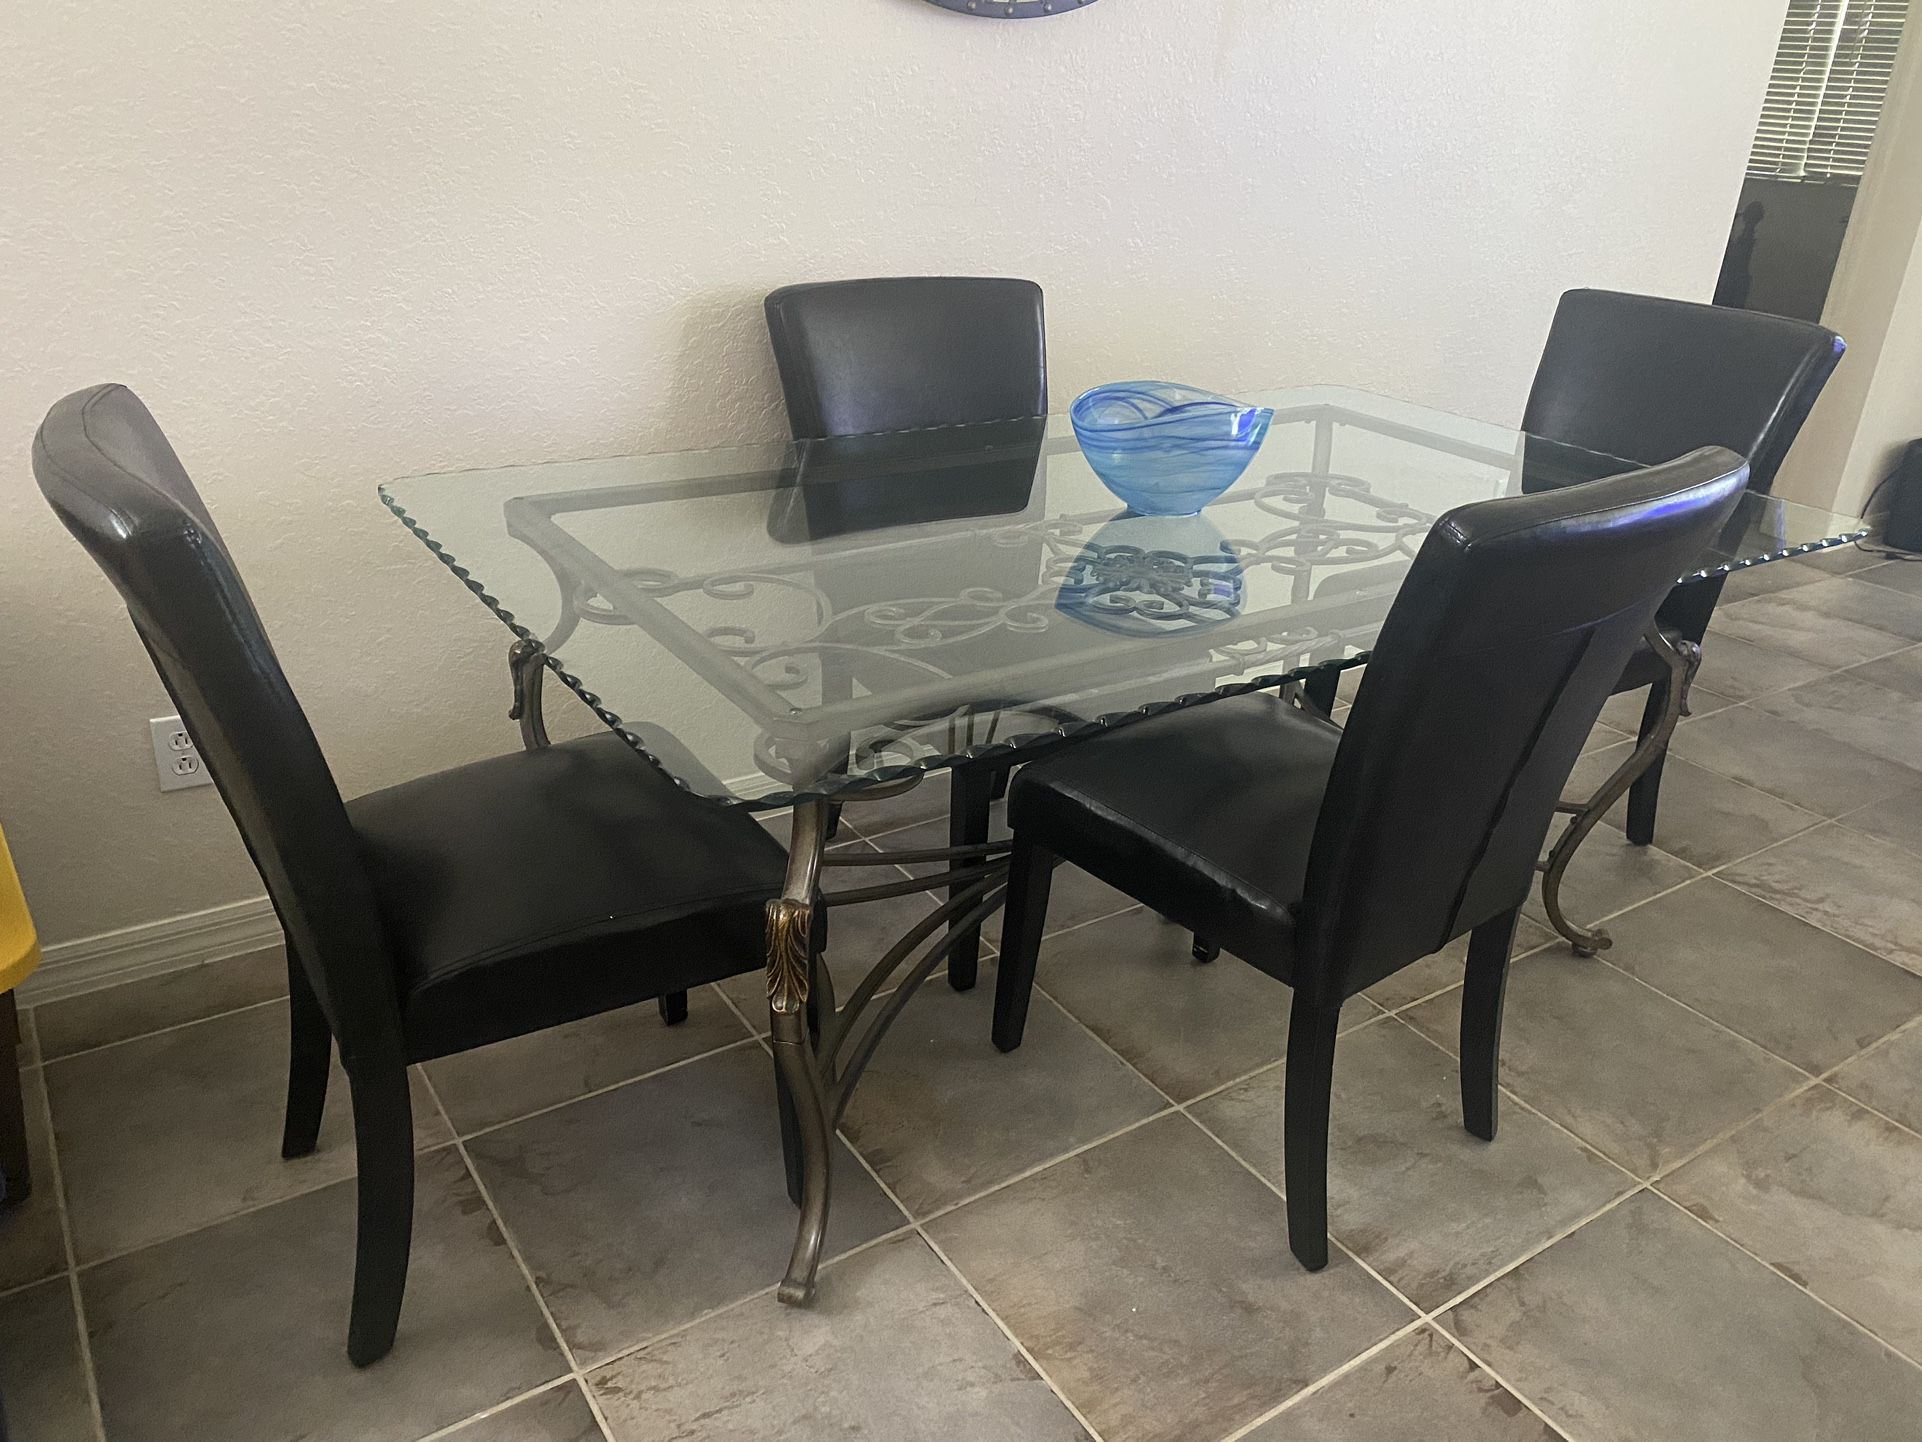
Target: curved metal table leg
<point x="526" y="665"/>
<point x="815" y="1073"/>
<point x="790" y="935"/>
<point x="1683" y="658"/>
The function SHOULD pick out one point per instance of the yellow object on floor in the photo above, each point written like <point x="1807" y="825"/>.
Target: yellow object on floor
<point x="19" y="947"/>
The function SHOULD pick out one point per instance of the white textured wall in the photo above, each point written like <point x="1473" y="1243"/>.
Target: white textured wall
<point x="332" y="241"/>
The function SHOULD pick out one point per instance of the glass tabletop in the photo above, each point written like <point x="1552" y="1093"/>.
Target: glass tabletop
<point x="792" y="621"/>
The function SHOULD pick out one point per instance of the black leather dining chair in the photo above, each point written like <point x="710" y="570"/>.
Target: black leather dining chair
<point x="1331" y="857"/>
<point x="447" y="912"/>
<point x="903" y="353"/>
<point x="1649" y="379"/>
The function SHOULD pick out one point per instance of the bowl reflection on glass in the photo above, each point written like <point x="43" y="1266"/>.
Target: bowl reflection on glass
<point x="1153" y="576"/>
<point x="1166" y="449"/>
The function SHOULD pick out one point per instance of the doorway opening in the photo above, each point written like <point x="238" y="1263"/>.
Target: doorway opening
<point x="1826" y="90"/>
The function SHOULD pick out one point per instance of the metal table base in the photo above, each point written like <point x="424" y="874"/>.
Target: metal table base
<point x="820" y="1051"/>
<point x="1683" y="659"/>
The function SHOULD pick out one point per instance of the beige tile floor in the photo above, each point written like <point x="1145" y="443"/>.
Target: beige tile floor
<point x="1701" y="1217"/>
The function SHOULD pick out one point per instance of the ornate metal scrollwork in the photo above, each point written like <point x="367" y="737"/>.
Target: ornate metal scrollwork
<point x="912" y="631"/>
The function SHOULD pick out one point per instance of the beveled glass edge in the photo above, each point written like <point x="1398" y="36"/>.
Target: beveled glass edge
<point x="1292" y="405"/>
<point x="847" y="786"/>
<point x="1787" y="553"/>
<point x="567" y="678"/>
<point x="850" y="786"/>
<point x="1055" y="428"/>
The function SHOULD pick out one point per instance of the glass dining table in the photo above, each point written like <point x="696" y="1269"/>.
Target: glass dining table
<point x="818" y="624"/>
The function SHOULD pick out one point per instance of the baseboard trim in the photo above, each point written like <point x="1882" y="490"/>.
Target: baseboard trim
<point x="69" y="968"/>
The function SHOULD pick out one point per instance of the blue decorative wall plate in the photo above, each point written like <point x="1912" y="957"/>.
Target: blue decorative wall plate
<point x="1012" y="9"/>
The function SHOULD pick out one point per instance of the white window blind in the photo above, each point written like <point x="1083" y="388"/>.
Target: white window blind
<point x="1825" y="92"/>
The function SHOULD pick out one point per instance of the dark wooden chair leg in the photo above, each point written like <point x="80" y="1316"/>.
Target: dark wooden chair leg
<point x="16" y="1172"/>
<point x="384" y="1149"/>
<point x="1308" y="1090"/>
<point x="310" y="1049"/>
<point x="1002" y="776"/>
<point x="1320" y="690"/>
<point x="1030" y="876"/>
<point x="1646" y="790"/>
<point x="673" y="1007"/>
<point x="968" y="808"/>
<point x="1481" y="1035"/>
<point x="1204" y="950"/>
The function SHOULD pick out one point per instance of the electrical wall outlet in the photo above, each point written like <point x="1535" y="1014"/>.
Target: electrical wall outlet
<point x="175" y="757"/>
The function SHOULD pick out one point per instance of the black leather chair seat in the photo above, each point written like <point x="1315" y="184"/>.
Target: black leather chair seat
<point x="512" y="889"/>
<point x="1206" y="815"/>
<point x="1332" y="858"/>
<point x="449" y="912"/>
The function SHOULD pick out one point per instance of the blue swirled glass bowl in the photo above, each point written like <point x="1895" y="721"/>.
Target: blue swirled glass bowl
<point x="1166" y="449"/>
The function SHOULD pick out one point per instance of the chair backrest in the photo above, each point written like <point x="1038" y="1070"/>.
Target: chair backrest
<point x="858" y="356"/>
<point x="1504" y="641"/>
<point x="1650" y="379"/>
<point x="114" y="481"/>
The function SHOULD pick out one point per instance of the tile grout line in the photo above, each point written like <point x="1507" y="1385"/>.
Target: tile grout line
<point x="1777" y="1272"/>
<point x="1602" y="957"/>
<point x="1660" y="1173"/>
<point x="1021" y="1347"/>
<point x="1336" y="1241"/>
<point x="89" y="1373"/>
<point x="1820" y="821"/>
<point x="1638" y="1185"/>
<point x="553" y="1384"/>
<point x="1826" y="1085"/>
<point x="1427" y="997"/>
<point x="1843" y="822"/>
<point x="453" y="1137"/>
<point x="1816" y="817"/>
<point x="1515" y="1264"/>
<point x="733" y="1304"/>
<point x="1510" y="1094"/>
<point x="576" y="1375"/>
<point x="1101" y="1042"/>
<point x="245" y="1211"/>
<point x="1811" y="921"/>
<point x="1556" y="936"/>
<point x="735" y="1007"/>
<point x="1695" y="1011"/>
<point x="948" y="1208"/>
<point x="514" y="1251"/>
<point x="1475" y="1357"/>
<point x="1652" y="1185"/>
<point x="1749" y="703"/>
<point x="1212" y="1092"/>
<point x="492" y="1127"/>
<point x="1895" y="1122"/>
<point x="1432" y="1317"/>
<point x="1423" y="1316"/>
<point x="979" y="1300"/>
<point x="98" y="1047"/>
<point x="1328" y="1379"/>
